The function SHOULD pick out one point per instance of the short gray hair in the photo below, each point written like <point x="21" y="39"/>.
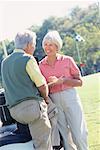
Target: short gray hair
<point x="24" y="38"/>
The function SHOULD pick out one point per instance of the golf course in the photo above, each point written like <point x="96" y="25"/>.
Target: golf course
<point x="90" y="97"/>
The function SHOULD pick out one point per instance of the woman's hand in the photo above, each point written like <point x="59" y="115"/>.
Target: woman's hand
<point x="53" y="80"/>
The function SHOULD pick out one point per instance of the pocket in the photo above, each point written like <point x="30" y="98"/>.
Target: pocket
<point x="27" y="112"/>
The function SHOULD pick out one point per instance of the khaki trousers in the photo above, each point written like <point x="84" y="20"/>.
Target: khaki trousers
<point x="34" y="113"/>
<point x="71" y="114"/>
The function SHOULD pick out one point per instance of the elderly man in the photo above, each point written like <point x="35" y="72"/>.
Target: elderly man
<point x="26" y="91"/>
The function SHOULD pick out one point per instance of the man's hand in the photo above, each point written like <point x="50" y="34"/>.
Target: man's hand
<point x="46" y="100"/>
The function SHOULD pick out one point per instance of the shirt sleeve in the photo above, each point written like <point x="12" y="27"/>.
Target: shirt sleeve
<point x="34" y="72"/>
<point x="73" y="67"/>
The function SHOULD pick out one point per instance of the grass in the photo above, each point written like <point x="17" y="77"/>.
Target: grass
<point x="90" y="97"/>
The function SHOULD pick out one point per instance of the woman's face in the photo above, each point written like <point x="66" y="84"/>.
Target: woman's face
<point x="50" y="48"/>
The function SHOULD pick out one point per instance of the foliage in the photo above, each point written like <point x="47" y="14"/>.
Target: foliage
<point x="85" y="22"/>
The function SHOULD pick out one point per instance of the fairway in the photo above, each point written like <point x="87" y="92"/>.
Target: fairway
<point x="90" y="97"/>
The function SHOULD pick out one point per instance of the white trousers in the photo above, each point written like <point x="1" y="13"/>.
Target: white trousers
<point x="71" y="114"/>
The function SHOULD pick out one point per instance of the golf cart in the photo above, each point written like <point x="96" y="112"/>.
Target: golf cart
<point x="13" y="135"/>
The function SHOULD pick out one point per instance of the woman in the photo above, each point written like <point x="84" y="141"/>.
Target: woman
<point x="63" y="75"/>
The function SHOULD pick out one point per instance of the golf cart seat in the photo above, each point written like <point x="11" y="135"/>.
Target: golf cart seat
<point x="11" y="131"/>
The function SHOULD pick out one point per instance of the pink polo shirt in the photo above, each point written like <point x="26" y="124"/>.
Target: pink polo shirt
<point x="64" y="66"/>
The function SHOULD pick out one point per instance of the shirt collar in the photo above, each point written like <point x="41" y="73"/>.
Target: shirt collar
<point x="19" y="50"/>
<point x="59" y="57"/>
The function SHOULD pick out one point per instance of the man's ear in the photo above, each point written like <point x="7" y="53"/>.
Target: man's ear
<point x="28" y="45"/>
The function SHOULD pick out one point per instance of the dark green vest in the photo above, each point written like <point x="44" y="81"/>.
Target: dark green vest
<point x="16" y="82"/>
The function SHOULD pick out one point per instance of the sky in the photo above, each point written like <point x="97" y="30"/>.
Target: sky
<point x="19" y="15"/>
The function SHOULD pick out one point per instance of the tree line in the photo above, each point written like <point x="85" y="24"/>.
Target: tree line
<point x="80" y="23"/>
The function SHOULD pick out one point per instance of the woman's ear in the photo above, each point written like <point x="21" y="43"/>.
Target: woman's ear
<point x="57" y="48"/>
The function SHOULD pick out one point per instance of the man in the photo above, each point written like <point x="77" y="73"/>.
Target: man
<point x="26" y="90"/>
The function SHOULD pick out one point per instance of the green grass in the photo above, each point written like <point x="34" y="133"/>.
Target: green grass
<point x="90" y="97"/>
